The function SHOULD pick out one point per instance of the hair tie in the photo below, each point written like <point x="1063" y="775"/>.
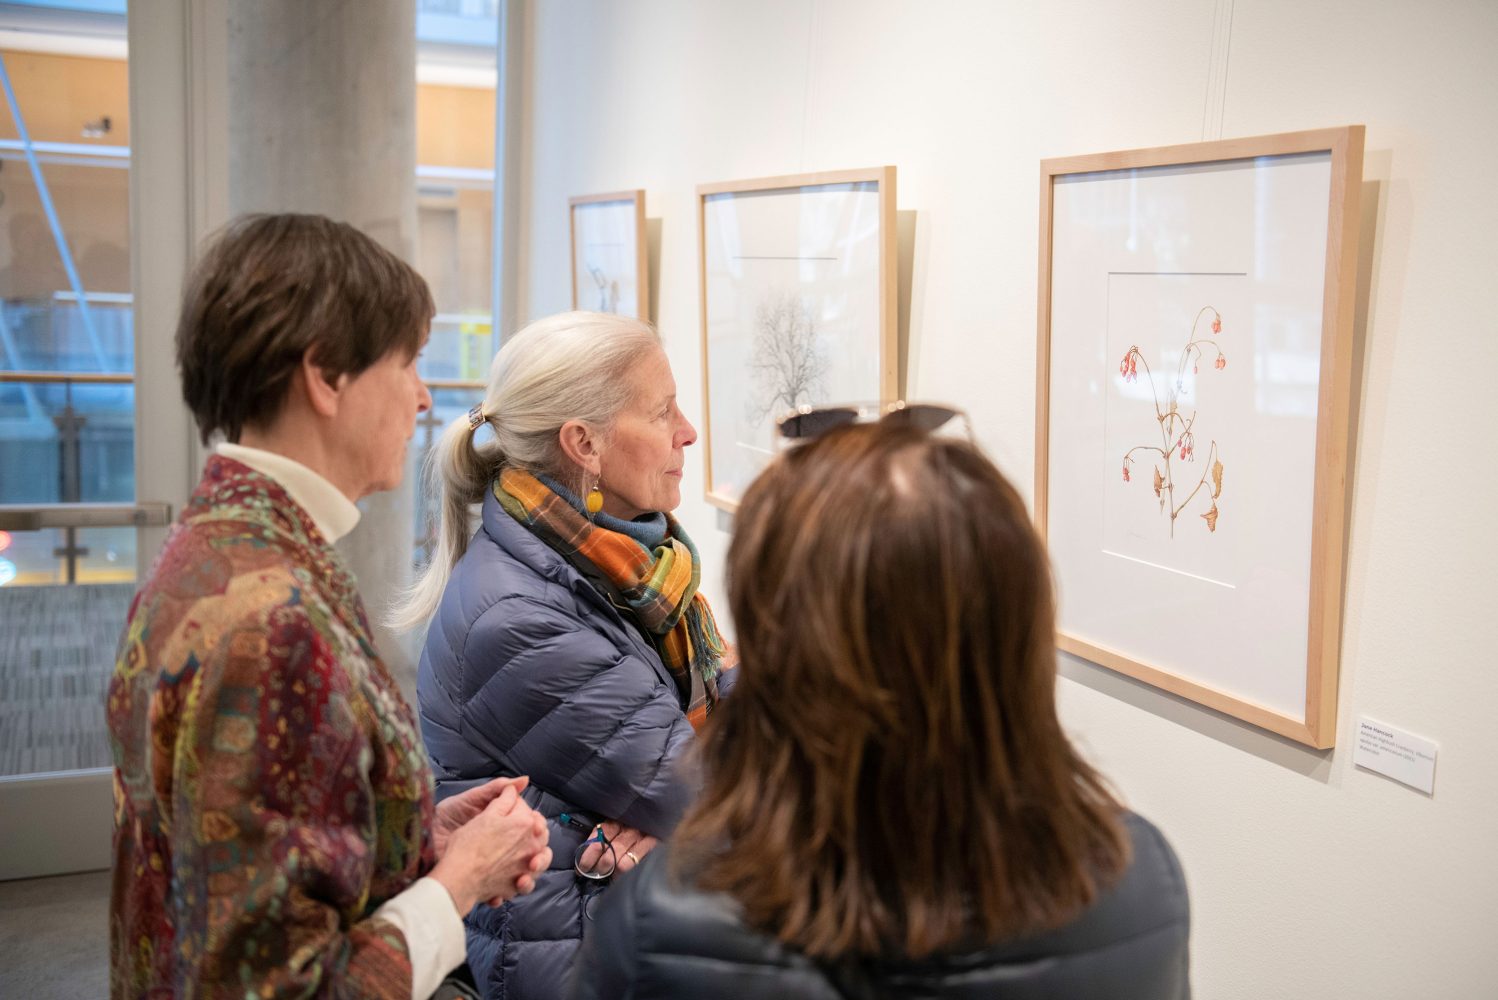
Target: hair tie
<point x="475" y="417"/>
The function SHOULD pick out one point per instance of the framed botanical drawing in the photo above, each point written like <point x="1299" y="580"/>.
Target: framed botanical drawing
<point x="610" y="270"/>
<point x="798" y="307"/>
<point x="1193" y="397"/>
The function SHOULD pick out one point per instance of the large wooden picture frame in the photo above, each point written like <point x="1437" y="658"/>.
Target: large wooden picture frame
<point x="798" y="301"/>
<point x="1192" y="406"/>
<point x="610" y="265"/>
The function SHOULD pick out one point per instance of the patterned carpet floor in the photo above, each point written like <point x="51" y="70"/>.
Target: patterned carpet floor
<point x="57" y="647"/>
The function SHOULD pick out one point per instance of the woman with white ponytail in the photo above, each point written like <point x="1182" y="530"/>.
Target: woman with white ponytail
<point x="567" y="639"/>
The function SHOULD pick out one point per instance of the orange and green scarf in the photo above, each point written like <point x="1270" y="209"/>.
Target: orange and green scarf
<point x="659" y="586"/>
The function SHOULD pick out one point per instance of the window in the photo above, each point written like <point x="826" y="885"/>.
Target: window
<point x="455" y="74"/>
<point x="67" y="397"/>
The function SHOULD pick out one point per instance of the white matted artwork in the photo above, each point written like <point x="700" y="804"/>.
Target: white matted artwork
<point x="798" y="308"/>
<point x="1194" y="370"/>
<point x="610" y="270"/>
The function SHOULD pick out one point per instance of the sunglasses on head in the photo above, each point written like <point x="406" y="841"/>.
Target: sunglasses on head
<point x="807" y="422"/>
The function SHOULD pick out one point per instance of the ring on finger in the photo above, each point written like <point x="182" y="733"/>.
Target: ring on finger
<point x="631" y="856"/>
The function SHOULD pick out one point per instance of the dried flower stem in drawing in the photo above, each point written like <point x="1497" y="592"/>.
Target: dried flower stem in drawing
<point x="1177" y="437"/>
<point x="787" y="366"/>
<point x="608" y="291"/>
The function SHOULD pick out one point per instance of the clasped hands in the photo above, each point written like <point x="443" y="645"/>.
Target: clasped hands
<point x="490" y="844"/>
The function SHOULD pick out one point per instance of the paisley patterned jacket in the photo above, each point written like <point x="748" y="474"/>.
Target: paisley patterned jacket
<point x="271" y="790"/>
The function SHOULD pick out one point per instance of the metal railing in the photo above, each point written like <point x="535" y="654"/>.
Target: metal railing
<point x="71" y="515"/>
<point x="42" y="516"/>
<point x="63" y="378"/>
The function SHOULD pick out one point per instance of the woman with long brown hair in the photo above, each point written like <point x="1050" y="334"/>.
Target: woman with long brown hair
<point x="891" y="807"/>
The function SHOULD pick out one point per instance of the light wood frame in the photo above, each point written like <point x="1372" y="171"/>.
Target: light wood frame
<point x="642" y="257"/>
<point x="884" y="178"/>
<point x="1317" y="727"/>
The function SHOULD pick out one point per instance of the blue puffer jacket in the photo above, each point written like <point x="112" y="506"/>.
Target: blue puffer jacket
<point x="530" y="669"/>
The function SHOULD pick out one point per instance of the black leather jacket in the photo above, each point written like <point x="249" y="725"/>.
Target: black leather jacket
<point x="651" y="939"/>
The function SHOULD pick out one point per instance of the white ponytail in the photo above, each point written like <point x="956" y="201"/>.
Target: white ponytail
<point x="572" y="366"/>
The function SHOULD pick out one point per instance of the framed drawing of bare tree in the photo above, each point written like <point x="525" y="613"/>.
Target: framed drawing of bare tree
<point x="798" y="307"/>
<point x="610" y="269"/>
<point x="1193" y="398"/>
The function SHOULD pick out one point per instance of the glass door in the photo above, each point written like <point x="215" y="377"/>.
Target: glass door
<point x="99" y="154"/>
<point x="69" y="516"/>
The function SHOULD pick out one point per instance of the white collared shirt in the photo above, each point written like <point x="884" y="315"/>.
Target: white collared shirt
<point x="424" y="912"/>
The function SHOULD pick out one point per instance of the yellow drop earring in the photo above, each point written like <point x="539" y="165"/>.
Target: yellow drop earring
<point x="594" y="502"/>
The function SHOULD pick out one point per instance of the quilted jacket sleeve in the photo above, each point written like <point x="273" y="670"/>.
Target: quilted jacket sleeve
<point x="606" y="963"/>
<point x="588" y="719"/>
<point x="652" y="936"/>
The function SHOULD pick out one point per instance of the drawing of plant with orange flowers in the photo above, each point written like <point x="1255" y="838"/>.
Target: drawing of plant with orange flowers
<point x="1177" y="432"/>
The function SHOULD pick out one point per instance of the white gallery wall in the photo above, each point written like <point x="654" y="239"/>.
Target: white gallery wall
<point x="1309" y="877"/>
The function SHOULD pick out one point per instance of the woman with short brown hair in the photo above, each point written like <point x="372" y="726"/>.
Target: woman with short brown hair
<point x="891" y="807"/>
<point x="275" y="291"/>
<point x="275" y="828"/>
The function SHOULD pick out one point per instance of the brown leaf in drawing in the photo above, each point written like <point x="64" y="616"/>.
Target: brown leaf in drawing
<point x="1159" y="481"/>
<point x="1211" y="518"/>
<point x="1216" y="480"/>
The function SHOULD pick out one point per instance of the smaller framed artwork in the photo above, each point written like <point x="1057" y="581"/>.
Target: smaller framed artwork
<point x="798" y="300"/>
<point x="1194" y="388"/>
<point x="610" y="269"/>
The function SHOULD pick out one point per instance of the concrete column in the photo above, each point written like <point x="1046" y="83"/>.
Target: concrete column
<point x="322" y="118"/>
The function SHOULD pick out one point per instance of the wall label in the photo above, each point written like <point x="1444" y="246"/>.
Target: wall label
<point x="1406" y="758"/>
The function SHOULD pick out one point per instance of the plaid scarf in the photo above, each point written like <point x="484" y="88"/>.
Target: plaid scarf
<point x="659" y="587"/>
